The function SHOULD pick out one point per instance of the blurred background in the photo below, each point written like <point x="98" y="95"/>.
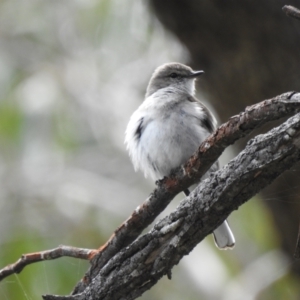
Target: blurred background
<point x="71" y="74"/>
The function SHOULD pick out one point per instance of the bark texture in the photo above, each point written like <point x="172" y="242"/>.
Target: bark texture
<point x="249" y="51"/>
<point x="136" y="268"/>
<point x="237" y="127"/>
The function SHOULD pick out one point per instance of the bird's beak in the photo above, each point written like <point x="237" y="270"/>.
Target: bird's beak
<point x="195" y="74"/>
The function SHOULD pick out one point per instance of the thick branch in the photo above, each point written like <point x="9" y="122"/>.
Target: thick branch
<point x="276" y="152"/>
<point x="138" y="267"/>
<point x="237" y="127"/>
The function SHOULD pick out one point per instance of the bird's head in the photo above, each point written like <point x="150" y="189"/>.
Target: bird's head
<point x="173" y="75"/>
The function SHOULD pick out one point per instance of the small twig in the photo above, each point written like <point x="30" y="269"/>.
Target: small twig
<point x="292" y="11"/>
<point x="30" y="258"/>
<point x="56" y="297"/>
<point x="297" y="250"/>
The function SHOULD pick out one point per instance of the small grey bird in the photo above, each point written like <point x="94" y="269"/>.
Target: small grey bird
<point x="168" y="128"/>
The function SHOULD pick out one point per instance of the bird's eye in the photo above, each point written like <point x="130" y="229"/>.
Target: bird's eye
<point x="173" y="75"/>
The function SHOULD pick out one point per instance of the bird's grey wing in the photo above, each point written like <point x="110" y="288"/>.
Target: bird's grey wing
<point x="223" y="235"/>
<point x="207" y="120"/>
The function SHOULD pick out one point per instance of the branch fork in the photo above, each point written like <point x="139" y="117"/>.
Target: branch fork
<point x="127" y="265"/>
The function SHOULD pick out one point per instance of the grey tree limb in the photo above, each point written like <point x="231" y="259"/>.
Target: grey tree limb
<point x="237" y="127"/>
<point x="245" y="175"/>
<point x="135" y="268"/>
<point x="292" y="11"/>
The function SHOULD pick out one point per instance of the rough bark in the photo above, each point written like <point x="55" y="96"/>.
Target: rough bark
<point x="249" y="51"/>
<point x="137" y="267"/>
<point x="236" y="128"/>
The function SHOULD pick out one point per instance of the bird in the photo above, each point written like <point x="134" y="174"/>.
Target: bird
<point x="169" y="126"/>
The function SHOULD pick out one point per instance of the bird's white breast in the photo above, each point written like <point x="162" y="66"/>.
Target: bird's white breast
<point x="172" y="133"/>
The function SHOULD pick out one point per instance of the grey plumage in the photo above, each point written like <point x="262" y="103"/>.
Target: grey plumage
<point x="168" y="128"/>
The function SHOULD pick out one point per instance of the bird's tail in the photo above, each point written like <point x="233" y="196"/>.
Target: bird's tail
<point x="223" y="236"/>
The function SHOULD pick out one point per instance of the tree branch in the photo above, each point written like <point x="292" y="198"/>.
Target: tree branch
<point x="128" y="271"/>
<point x="291" y="11"/>
<point x="237" y="127"/>
<point x="136" y="268"/>
<point x="30" y="258"/>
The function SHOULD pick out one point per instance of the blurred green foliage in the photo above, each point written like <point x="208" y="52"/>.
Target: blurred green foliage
<point x="10" y="122"/>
